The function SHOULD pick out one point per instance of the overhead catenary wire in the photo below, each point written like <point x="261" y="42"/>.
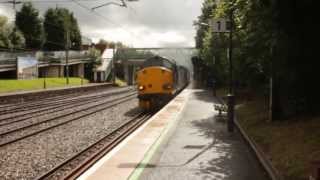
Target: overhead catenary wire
<point x="97" y="14"/>
<point x="104" y="18"/>
<point x="123" y="4"/>
<point x="133" y="10"/>
<point x="76" y="2"/>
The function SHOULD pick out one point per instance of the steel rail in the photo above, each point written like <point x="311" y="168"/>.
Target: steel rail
<point x="78" y="102"/>
<point x="111" y="104"/>
<point x="55" y="98"/>
<point x="50" y="104"/>
<point x="96" y="151"/>
<point x="65" y="115"/>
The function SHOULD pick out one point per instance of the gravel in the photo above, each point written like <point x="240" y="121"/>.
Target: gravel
<point x="21" y="108"/>
<point x="38" y="124"/>
<point x="30" y="118"/>
<point x="30" y="157"/>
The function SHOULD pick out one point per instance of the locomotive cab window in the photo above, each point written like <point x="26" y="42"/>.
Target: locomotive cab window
<point x="159" y="61"/>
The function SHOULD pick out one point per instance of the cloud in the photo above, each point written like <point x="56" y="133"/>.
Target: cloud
<point x="146" y="23"/>
<point x="141" y="37"/>
<point x="5" y="11"/>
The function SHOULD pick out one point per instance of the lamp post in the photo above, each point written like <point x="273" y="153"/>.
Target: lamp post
<point x="221" y="26"/>
<point x="67" y="46"/>
<point x="113" y="69"/>
<point x="231" y="97"/>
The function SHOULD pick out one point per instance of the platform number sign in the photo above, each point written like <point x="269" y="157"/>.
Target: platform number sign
<point x="220" y="25"/>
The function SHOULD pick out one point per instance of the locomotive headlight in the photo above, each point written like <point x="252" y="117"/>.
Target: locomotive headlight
<point x="167" y="86"/>
<point x="140" y="87"/>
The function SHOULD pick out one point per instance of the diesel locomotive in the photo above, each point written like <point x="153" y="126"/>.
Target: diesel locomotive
<point x="159" y="80"/>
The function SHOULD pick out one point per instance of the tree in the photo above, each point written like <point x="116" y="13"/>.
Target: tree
<point x="60" y="25"/>
<point x="211" y="46"/>
<point x="207" y="7"/>
<point x="29" y="23"/>
<point x="4" y="32"/>
<point x="9" y="37"/>
<point x="75" y="34"/>
<point x="111" y="44"/>
<point x="95" y="54"/>
<point x="271" y="38"/>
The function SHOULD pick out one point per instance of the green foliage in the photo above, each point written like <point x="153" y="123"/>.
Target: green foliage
<point x="4" y="32"/>
<point x="96" y="55"/>
<point x="207" y="7"/>
<point x="120" y="82"/>
<point x="9" y="36"/>
<point x="28" y="22"/>
<point x="212" y="46"/>
<point x="55" y="31"/>
<point x="17" y="38"/>
<point x="61" y="25"/>
<point x="111" y="44"/>
<point x="75" y="34"/>
<point x="270" y="37"/>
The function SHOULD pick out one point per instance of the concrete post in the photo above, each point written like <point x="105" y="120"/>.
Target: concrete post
<point x="134" y="71"/>
<point x="61" y="71"/>
<point x="95" y="76"/>
<point x="80" y="70"/>
<point x="214" y="92"/>
<point x="101" y="76"/>
<point x="130" y="75"/>
<point x="126" y="73"/>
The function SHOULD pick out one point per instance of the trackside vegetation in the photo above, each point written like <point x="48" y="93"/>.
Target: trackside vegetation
<point x="289" y="144"/>
<point x="272" y="39"/>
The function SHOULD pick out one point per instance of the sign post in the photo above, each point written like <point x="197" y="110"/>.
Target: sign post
<point x="220" y="25"/>
<point x="225" y="25"/>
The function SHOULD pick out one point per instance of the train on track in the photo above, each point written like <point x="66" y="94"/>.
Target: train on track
<point x="159" y="80"/>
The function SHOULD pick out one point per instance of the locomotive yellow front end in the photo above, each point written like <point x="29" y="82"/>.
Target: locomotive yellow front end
<point x="155" y="86"/>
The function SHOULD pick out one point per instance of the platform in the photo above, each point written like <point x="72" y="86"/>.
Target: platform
<point x="185" y="140"/>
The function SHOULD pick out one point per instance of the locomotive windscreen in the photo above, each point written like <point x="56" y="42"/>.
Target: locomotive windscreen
<point x="159" y="61"/>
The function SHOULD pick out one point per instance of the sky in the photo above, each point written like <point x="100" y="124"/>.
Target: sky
<point x="144" y="23"/>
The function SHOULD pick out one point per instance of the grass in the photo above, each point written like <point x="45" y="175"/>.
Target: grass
<point x="120" y="82"/>
<point x="290" y="144"/>
<point x="34" y="84"/>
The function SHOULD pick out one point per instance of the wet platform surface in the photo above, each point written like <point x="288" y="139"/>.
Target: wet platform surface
<point x="184" y="141"/>
<point x="200" y="148"/>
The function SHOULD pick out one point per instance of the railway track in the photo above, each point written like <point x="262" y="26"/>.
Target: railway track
<point x="43" y="109"/>
<point x="54" y="98"/>
<point x="74" y="166"/>
<point x="57" y="97"/>
<point x="20" y="133"/>
<point x="49" y="104"/>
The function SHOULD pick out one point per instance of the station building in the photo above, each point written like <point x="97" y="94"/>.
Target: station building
<point x="49" y="64"/>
